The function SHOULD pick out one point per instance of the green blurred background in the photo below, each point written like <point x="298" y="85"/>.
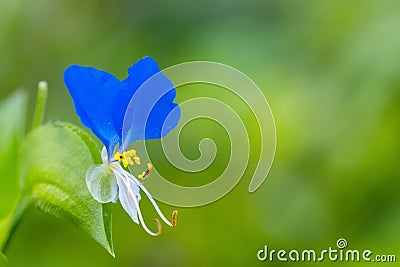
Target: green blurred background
<point x="331" y="73"/>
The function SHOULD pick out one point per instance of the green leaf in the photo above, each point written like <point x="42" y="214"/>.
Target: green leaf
<point x="3" y="260"/>
<point x="12" y="125"/>
<point x="54" y="162"/>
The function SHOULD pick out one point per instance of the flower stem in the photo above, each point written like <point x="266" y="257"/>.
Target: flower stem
<point x="40" y="104"/>
<point x="9" y="223"/>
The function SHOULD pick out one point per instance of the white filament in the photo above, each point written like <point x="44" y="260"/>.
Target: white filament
<point x="127" y="178"/>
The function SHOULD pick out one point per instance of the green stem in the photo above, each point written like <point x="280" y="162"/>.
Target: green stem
<point x="40" y="105"/>
<point x="10" y="222"/>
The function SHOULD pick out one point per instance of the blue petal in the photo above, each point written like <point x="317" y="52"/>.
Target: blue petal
<point x="94" y="93"/>
<point x="138" y="108"/>
<point x="151" y="112"/>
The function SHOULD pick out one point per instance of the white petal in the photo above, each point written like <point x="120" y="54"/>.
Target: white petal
<point x="127" y="191"/>
<point x="102" y="183"/>
<point x="104" y="155"/>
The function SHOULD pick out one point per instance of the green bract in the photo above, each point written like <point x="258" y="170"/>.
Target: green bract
<point x="54" y="161"/>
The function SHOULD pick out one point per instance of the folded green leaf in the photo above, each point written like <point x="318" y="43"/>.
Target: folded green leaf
<point x="54" y="162"/>
<point x="12" y="125"/>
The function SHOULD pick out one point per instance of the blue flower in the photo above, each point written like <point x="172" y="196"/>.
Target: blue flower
<point x="118" y="112"/>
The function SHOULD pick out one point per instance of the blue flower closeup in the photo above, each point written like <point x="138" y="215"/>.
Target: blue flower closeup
<point x="139" y="107"/>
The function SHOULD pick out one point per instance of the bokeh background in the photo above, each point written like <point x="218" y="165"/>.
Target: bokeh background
<point x="331" y="73"/>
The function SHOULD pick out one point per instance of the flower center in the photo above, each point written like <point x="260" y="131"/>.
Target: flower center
<point x="128" y="157"/>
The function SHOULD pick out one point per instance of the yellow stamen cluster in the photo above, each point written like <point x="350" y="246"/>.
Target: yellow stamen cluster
<point x="146" y="173"/>
<point x="127" y="158"/>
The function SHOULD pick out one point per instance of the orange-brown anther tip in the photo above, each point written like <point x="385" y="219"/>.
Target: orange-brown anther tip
<point x="174" y="218"/>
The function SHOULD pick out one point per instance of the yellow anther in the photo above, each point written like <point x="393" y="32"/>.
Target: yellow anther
<point x="131" y="153"/>
<point x="149" y="166"/>
<point x="137" y="160"/>
<point x="129" y="161"/>
<point x="118" y="156"/>
<point x="125" y="162"/>
<point x="126" y="157"/>
<point x="174" y="220"/>
<point x="146" y="173"/>
<point x="142" y="176"/>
